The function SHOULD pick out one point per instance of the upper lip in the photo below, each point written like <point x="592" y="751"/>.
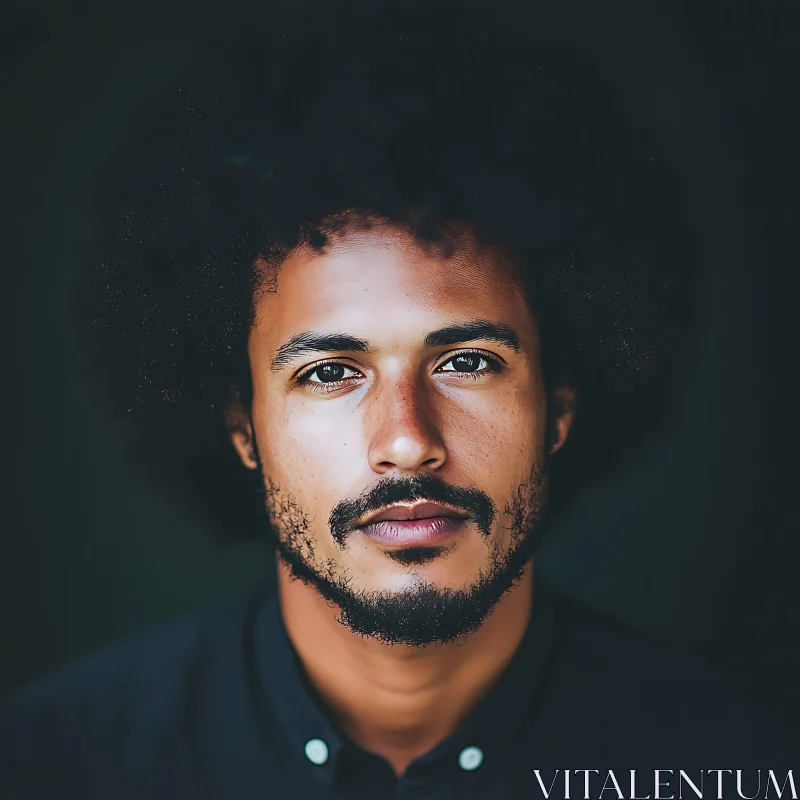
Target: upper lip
<point x="419" y="510"/>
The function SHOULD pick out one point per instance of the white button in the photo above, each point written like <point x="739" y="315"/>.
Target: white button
<point x="317" y="751"/>
<point x="470" y="758"/>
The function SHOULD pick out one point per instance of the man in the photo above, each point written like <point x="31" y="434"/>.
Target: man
<point x="389" y="286"/>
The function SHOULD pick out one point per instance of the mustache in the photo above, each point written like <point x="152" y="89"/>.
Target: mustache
<point x="477" y="505"/>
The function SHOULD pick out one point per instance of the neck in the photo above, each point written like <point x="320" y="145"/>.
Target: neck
<point x="396" y="700"/>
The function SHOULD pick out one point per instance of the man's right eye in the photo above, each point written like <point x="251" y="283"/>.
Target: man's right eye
<point x="328" y="373"/>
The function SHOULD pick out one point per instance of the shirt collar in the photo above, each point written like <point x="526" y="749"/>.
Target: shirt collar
<point x="491" y="727"/>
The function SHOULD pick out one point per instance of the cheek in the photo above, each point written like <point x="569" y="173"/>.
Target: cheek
<point x="499" y="439"/>
<point x="302" y="450"/>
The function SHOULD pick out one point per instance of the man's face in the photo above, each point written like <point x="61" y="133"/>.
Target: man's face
<point x="386" y="375"/>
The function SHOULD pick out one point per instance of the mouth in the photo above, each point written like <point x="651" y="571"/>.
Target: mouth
<point x="414" y="524"/>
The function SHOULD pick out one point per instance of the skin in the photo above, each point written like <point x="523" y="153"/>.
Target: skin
<point x="401" y="410"/>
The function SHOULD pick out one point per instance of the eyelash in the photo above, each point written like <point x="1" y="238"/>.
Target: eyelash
<point x="494" y="366"/>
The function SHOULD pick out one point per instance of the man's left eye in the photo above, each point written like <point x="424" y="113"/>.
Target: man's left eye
<point x="466" y="362"/>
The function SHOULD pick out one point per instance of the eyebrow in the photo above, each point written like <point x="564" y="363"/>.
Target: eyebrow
<point x="475" y="329"/>
<point x="310" y="342"/>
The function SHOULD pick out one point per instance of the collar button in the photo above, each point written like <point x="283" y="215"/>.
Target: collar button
<point x="470" y="758"/>
<point x="317" y="751"/>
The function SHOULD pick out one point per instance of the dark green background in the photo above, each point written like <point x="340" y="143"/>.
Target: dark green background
<point x="698" y="542"/>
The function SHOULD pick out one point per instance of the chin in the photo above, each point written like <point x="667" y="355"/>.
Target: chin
<point x="434" y="574"/>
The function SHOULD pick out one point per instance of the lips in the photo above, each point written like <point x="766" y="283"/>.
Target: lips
<point x="414" y="525"/>
<point x="414" y="511"/>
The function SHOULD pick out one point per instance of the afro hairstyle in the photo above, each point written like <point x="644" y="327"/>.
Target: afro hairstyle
<point x="419" y="113"/>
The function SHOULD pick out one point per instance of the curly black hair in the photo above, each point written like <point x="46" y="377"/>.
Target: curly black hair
<point x="418" y="113"/>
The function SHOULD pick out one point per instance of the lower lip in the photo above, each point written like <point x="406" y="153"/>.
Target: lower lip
<point x="413" y="532"/>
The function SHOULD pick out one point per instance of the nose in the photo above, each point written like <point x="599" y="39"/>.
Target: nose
<point x="405" y="435"/>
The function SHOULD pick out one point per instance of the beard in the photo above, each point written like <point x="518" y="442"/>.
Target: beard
<point x="423" y="614"/>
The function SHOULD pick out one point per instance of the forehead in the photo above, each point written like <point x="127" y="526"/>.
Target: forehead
<point x="383" y="276"/>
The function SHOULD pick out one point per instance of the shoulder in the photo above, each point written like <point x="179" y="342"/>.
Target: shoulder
<point x="122" y="700"/>
<point x="648" y="695"/>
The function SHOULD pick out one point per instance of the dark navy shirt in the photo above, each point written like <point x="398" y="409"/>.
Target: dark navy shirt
<point x="216" y="705"/>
